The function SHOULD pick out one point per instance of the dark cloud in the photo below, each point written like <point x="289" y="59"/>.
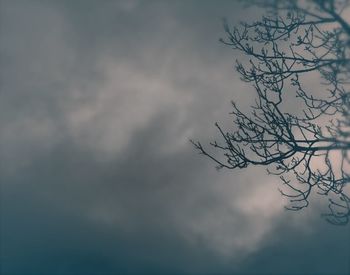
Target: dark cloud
<point x="97" y="106"/>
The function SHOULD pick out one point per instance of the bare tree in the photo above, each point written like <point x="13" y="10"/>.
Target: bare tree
<point x="296" y="43"/>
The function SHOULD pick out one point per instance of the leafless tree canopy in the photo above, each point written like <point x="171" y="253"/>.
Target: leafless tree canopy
<point x="296" y="43"/>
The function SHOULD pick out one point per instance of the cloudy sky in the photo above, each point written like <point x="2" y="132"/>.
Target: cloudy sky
<point x="98" y="102"/>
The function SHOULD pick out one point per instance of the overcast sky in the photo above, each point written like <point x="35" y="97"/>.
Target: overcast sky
<point x="98" y="102"/>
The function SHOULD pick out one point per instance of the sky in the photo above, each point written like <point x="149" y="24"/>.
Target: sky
<point x="99" y="100"/>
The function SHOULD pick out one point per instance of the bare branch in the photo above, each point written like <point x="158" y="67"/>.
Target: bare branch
<point x="295" y="41"/>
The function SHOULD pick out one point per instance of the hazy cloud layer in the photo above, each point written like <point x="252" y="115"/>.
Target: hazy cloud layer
<point x="98" y="102"/>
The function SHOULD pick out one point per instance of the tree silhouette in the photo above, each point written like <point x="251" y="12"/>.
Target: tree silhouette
<point x="297" y="43"/>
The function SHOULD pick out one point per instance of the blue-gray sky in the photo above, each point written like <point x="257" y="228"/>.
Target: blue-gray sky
<point x="98" y="102"/>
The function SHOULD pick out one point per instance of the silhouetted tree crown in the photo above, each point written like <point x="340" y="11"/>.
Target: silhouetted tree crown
<point x="296" y="43"/>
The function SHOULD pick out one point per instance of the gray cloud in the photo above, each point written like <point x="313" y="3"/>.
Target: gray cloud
<point x="98" y="103"/>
